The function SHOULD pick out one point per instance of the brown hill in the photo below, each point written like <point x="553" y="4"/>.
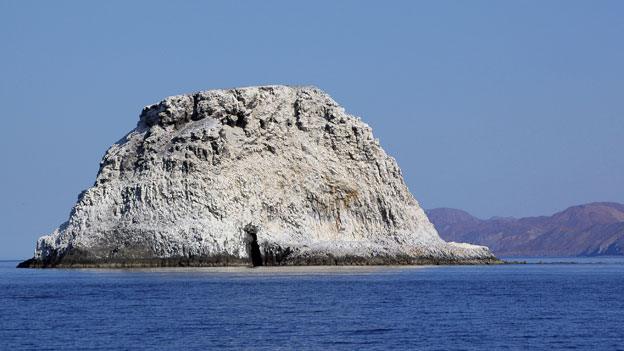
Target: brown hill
<point x="584" y="230"/>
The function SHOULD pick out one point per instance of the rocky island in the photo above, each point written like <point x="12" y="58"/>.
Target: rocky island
<point x="270" y="175"/>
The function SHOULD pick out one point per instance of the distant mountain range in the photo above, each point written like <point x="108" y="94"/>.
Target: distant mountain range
<point x="586" y="230"/>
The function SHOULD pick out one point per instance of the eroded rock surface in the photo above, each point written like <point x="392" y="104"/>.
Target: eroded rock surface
<point x="270" y="175"/>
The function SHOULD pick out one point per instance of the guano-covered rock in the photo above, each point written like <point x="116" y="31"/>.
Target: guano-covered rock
<point x="269" y="175"/>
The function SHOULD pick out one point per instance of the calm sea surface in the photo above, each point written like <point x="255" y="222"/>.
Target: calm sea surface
<point x="506" y="307"/>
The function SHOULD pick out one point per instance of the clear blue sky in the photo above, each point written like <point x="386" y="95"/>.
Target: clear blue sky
<point x="496" y="107"/>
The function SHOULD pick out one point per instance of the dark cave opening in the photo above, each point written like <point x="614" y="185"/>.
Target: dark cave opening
<point x="254" y="248"/>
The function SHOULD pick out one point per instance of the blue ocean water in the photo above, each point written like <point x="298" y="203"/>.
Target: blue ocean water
<point x="551" y="306"/>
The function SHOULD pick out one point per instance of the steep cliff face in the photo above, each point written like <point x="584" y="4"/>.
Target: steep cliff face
<point x="263" y="175"/>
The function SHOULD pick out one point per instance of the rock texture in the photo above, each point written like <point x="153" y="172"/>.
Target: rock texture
<point x="270" y="175"/>
<point x="584" y="230"/>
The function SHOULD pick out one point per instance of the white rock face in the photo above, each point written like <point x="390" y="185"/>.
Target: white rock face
<point x="269" y="175"/>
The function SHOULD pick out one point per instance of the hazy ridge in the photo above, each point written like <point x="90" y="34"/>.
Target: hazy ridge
<point x="584" y="230"/>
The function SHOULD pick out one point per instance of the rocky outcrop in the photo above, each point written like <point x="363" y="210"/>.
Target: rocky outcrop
<point x="270" y="175"/>
<point x="585" y="230"/>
